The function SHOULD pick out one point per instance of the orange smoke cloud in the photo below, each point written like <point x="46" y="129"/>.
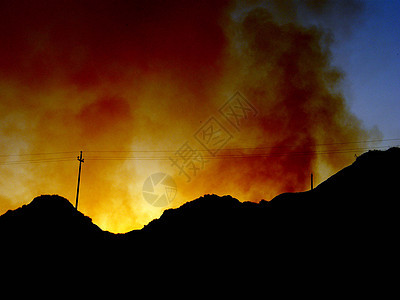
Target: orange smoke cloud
<point x="123" y="80"/>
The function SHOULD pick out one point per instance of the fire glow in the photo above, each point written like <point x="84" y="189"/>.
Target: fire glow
<point x="133" y="83"/>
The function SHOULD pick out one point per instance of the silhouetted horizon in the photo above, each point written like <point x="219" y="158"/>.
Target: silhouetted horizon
<point x="358" y="183"/>
<point x="344" y="228"/>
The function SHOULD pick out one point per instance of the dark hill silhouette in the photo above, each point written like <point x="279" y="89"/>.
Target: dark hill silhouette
<point x="365" y="191"/>
<point x="48" y="219"/>
<point x="356" y="207"/>
<point x="337" y="239"/>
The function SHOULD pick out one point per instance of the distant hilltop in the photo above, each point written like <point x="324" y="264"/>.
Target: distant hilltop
<point x="356" y="206"/>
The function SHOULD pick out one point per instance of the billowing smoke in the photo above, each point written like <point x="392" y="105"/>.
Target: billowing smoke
<point x="113" y="78"/>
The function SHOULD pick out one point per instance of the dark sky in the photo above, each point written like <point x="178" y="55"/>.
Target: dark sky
<point x="370" y="58"/>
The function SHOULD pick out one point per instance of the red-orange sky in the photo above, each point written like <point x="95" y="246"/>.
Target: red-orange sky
<point x="111" y="76"/>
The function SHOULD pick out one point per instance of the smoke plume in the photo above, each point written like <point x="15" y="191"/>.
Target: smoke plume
<point x="125" y="80"/>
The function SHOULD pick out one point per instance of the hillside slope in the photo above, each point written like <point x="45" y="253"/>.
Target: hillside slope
<point x="48" y="219"/>
<point x="358" y="204"/>
<point x="363" y="195"/>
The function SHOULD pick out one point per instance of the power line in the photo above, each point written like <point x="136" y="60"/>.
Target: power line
<point x="37" y="154"/>
<point x="243" y="148"/>
<point x="160" y="155"/>
<point x="32" y="161"/>
<point x="234" y="156"/>
<point x="172" y="151"/>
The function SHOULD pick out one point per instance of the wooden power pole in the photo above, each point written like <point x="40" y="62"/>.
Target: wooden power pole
<point x="312" y="181"/>
<point x="81" y="160"/>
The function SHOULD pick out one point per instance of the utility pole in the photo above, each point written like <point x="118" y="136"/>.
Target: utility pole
<point x="81" y="160"/>
<point x="312" y="179"/>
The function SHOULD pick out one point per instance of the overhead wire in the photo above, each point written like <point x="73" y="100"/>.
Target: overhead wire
<point x="242" y="148"/>
<point x="32" y="158"/>
<point x="163" y="154"/>
<point x="37" y="154"/>
<point x="206" y="154"/>
<point x="30" y="161"/>
<point x="235" y="156"/>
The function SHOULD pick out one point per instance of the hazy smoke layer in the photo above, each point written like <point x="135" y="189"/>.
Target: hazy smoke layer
<point x="148" y="75"/>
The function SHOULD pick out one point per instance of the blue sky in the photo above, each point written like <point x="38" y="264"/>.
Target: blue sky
<point x="370" y="57"/>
